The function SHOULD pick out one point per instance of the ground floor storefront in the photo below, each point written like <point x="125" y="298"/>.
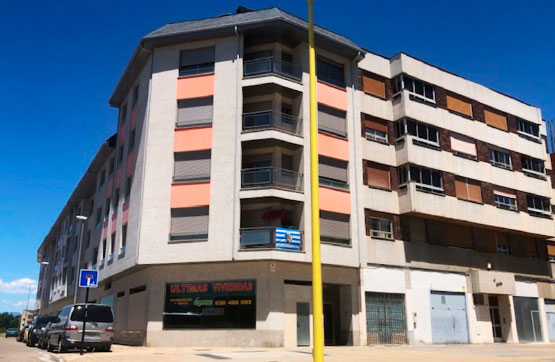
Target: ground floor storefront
<point x="404" y="306"/>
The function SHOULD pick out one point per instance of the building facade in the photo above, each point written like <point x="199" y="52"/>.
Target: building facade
<point x="435" y="197"/>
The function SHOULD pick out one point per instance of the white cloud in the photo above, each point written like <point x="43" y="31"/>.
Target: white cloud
<point x="23" y="303"/>
<point x="18" y="286"/>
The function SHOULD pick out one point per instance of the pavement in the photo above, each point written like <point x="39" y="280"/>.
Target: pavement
<point x="11" y="351"/>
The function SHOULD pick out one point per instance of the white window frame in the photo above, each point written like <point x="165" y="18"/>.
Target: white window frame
<point x="505" y="205"/>
<point x="405" y="132"/>
<point x="421" y="185"/>
<point x="520" y="121"/>
<point x="413" y="92"/>
<point x="538" y="211"/>
<point x="375" y="135"/>
<point x="534" y="172"/>
<point x="381" y="234"/>
<point x="500" y="164"/>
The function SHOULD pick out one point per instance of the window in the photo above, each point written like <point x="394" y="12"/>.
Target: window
<point x="533" y="166"/>
<point x="538" y="206"/>
<point x="104" y="245"/>
<point x="102" y="177"/>
<point x="123" y="239"/>
<point x="466" y="189"/>
<point x="135" y="96"/>
<point x="131" y="140"/>
<point x="381" y="228"/>
<point x="107" y="208"/>
<point x="425" y="179"/>
<point x="458" y="105"/>
<point x="478" y="299"/>
<point x="417" y="89"/>
<point x="192" y="166"/>
<point x="528" y="129"/>
<point x="98" y="216"/>
<point x="503" y="249"/>
<point x="128" y="188"/>
<point x="116" y="199"/>
<point x="330" y="72"/>
<point x="333" y="172"/>
<point x="375" y="129"/>
<point x="502" y="243"/>
<point x="332" y="120"/>
<point x="505" y="200"/>
<point x="120" y="155"/>
<point x="194" y="112"/>
<point x="189" y="224"/>
<point x="496" y="119"/>
<point x="112" y="244"/>
<point x="420" y="131"/>
<point x="378" y="176"/>
<point x="123" y="113"/>
<point x="551" y="252"/>
<point x="373" y="84"/>
<point x="463" y="146"/>
<point x="334" y="228"/>
<point x="196" y="62"/>
<point x="500" y="158"/>
<point x="111" y="172"/>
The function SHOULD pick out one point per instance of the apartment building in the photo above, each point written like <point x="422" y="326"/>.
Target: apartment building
<point x="435" y="197"/>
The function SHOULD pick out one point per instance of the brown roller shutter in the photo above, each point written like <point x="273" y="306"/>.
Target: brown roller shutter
<point x="378" y="176"/>
<point x="375" y="123"/>
<point x="373" y="85"/>
<point x="417" y="229"/>
<point x="551" y="250"/>
<point x="474" y="191"/>
<point x="456" y="104"/>
<point x="459" y="236"/>
<point x="460" y="189"/>
<point x="496" y="120"/>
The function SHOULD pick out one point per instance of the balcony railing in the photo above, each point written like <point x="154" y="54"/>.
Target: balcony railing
<point x="271" y="238"/>
<point x="272" y="120"/>
<point x="270" y="65"/>
<point x="271" y="177"/>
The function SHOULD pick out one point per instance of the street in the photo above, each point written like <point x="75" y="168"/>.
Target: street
<point x="13" y="351"/>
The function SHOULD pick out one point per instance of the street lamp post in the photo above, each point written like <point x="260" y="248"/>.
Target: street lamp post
<point x="82" y="219"/>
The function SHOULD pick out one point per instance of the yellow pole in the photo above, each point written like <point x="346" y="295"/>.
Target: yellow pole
<point x="317" y="305"/>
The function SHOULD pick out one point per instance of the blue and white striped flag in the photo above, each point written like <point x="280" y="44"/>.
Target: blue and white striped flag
<point x="288" y="239"/>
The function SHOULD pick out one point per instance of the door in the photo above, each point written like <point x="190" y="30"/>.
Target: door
<point x="385" y="318"/>
<point x="329" y="335"/>
<point x="449" y="323"/>
<point x="495" y="318"/>
<point x="303" y="324"/>
<point x="527" y="319"/>
<point x="550" y="317"/>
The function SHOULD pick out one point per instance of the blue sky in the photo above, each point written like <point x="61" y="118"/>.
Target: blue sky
<point x="61" y="60"/>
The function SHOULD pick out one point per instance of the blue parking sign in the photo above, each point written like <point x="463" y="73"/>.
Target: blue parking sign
<point x="88" y="278"/>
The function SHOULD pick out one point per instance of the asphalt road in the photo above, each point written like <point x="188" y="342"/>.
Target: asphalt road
<point x="13" y="351"/>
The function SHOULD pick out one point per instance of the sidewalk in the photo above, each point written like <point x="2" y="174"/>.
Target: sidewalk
<point x="451" y="353"/>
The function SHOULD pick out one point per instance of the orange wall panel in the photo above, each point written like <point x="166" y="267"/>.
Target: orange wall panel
<point x="192" y="139"/>
<point x="334" y="200"/>
<point x="195" y="87"/>
<point x="333" y="147"/>
<point x="331" y="96"/>
<point x="190" y="195"/>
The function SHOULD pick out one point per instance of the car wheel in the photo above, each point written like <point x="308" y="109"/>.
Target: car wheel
<point x="61" y="347"/>
<point x="49" y="347"/>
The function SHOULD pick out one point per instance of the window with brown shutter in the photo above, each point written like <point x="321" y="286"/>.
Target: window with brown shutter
<point x="458" y="105"/>
<point x="378" y="176"/>
<point x="496" y="120"/>
<point x="375" y="128"/>
<point x="373" y="85"/>
<point x="459" y="236"/>
<point x="551" y="252"/>
<point x="466" y="189"/>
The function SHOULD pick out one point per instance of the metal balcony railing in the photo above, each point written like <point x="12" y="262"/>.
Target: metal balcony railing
<point x="270" y="65"/>
<point x="271" y="177"/>
<point x="272" y="120"/>
<point x="271" y="238"/>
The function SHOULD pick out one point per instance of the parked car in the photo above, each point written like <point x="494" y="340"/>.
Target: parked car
<point x="12" y="332"/>
<point x="37" y="328"/>
<point x="43" y="335"/>
<point x="67" y="328"/>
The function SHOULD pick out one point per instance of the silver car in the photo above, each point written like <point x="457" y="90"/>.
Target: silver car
<point x="66" y="330"/>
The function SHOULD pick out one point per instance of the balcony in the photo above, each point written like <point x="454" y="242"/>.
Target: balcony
<point x="264" y="177"/>
<point x="278" y="238"/>
<point x="271" y="66"/>
<point x="264" y="120"/>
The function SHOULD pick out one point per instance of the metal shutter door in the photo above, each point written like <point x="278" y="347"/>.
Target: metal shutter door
<point x="448" y="314"/>
<point x="334" y="225"/>
<point x="197" y="56"/>
<point x="192" y="164"/>
<point x="190" y="221"/>
<point x="194" y="111"/>
<point x="332" y="120"/>
<point x="332" y="169"/>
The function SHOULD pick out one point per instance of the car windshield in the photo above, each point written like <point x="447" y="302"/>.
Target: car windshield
<point x="95" y="313"/>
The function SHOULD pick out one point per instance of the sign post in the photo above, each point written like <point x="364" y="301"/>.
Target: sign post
<point x="88" y="279"/>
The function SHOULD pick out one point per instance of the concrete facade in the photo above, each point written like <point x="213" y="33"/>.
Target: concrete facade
<point x="388" y="243"/>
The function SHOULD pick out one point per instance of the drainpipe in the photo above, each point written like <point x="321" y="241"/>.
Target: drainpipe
<point x="237" y="135"/>
<point x="355" y="168"/>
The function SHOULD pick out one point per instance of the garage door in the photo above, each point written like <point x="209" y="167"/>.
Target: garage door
<point x="385" y="318"/>
<point x="449" y="323"/>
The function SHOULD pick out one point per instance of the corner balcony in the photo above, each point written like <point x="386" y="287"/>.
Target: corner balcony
<point x="278" y="238"/>
<point x="271" y="177"/>
<point x="270" y="66"/>
<point x="270" y="120"/>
